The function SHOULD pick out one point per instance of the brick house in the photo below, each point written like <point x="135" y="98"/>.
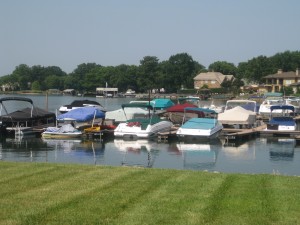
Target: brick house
<point x="211" y="79"/>
<point x="275" y="82"/>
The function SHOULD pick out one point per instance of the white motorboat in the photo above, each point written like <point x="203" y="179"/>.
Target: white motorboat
<point x="142" y="127"/>
<point x="200" y="128"/>
<point x="285" y="121"/>
<point x="265" y="107"/>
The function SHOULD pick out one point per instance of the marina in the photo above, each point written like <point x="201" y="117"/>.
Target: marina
<point x="252" y="150"/>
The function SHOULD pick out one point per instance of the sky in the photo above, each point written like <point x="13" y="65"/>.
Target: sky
<point x="67" y="33"/>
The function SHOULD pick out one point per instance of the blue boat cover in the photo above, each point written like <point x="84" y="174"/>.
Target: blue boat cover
<point x="284" y="121"/>
<point x="82" y="114"/>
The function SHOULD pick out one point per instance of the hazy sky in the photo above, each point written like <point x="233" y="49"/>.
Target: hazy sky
<point x="66" y="33"/>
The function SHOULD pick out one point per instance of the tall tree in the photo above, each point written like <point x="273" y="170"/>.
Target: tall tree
<point x="148" y="73"/>
<point x="223" y="67"/>
<point x="255" y="69"/>
<point x="182" y="69"/>
<point x="80" y="72"/>
<point x="125" y="77"/>
<point x="22" y="73"/>
<point x="287" y="61"/>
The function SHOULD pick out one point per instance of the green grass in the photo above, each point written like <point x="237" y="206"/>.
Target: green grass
<point x="41" y="193"/>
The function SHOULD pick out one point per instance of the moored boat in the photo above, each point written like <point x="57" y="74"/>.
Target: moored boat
<point x="29" y="120"/>
<point x="197" y="129"/>
<point x="284" y="122"/>
<point x="66" y="131"/>
<point x="142" y="127"/>
<point x="73" y="122"/>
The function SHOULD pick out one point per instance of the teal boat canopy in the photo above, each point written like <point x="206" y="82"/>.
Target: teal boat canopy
<point x="161" y="103"/>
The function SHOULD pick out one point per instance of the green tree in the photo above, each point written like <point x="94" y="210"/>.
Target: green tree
<point x="148" y="73"/>
<point x="223" y="67"/>
<point x="255" y="69"/>
<point x="36" y="86"/>
<point x="287" y="61"/>
<point x="80" y="73"/>
<point x="125" y="77"/>
<point x="182" y="70"/>
<point x="22" y="74"/>
<point x="53" y="82"/>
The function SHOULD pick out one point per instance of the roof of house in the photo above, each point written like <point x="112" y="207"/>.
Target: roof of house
<point x="213" y="76"/>
<point x="290" y="74"/>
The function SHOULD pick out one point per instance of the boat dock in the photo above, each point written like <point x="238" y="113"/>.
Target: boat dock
<point x="230" y="134"/>
<point x="234" y="134"/>
<point x="167" y="135"/>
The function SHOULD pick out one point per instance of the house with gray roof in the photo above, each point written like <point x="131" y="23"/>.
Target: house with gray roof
<point x="211" y="79"/>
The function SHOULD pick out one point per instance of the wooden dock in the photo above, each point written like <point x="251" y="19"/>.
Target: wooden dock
<point x="230" y="134"/>
<point x="235" y="134"/>
<point x="165" y="136"/>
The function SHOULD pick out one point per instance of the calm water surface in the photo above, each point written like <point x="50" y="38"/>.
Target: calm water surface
<point x="260" y="155"/>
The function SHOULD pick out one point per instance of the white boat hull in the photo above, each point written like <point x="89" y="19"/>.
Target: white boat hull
<point x="58" y="135"/>
<point x="199" y="133"/>
<point x="125" y="131"/>
<point x="63" y="132"/>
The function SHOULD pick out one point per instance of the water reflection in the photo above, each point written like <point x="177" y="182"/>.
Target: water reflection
<point x="260" y="155"/>
<point x="198" y="156"/>
<point x="239" y="150"/>
<point x="76" y="149"/>
<point x="281" y="148"/>
<point x="137" y="153"/>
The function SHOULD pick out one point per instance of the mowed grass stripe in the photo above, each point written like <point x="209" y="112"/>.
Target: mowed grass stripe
<point x="182" y="197"/>
<point x="51" y="194"/>
<point x="120" y="197"/>
<point x="286" y="195"/>
<point x="76" y="194"/>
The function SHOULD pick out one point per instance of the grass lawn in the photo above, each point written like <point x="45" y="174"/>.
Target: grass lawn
<point x="41" y="193"/>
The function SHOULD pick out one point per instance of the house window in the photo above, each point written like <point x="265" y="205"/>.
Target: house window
<point x="213" y="82"/>
<point x="288" y="82"/>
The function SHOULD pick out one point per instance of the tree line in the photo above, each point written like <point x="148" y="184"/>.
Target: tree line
<point x="173" y="74"/>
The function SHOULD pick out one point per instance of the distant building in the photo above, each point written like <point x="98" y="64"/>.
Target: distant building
<point x="275" y="82"/>
<point x="69" y="92"/>
<point x="54" y="92"/>
<point x="106" y="92"/>
<point x="211" y="79"/>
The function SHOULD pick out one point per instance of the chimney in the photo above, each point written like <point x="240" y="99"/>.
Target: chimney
<point x="297" y="72"/>
<point x="279" y="71"/>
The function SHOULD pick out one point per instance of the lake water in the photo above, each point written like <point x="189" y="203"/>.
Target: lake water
<point x="260" y="155"/>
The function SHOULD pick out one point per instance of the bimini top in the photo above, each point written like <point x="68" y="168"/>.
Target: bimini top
<point x="16" y="99"/>
<point x="180" y="107"/>
<point x="161" y="103"/>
